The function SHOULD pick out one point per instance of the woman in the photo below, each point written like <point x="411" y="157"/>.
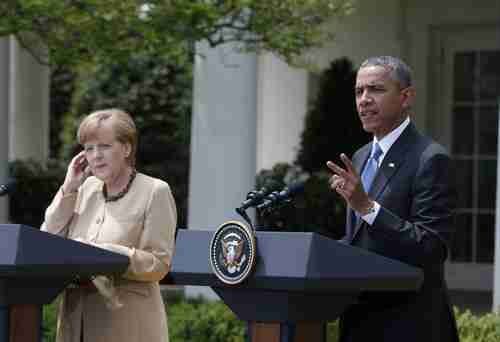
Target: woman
<point x="106" y="203"/>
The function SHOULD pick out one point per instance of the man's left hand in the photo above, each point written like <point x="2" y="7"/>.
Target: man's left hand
<point x="347" y="183"/>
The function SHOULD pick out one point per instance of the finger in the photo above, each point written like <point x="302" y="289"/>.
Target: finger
<point x="332" y="179"/>
<point x="339" y="182"/>
<point x="334" y="167"/>
<point x="348" y="164"/>
<point x="336" y="182"/>
<point x="348" y="176"/>
<point x="81" y="157"/>
<point x="75" y="161"/>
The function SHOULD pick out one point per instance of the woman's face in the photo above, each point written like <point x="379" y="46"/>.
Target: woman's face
<point x="106" y="156"/>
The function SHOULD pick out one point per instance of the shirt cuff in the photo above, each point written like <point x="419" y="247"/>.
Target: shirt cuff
<point x="370" y="218"/>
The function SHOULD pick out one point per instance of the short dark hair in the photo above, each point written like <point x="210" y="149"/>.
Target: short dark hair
<point x="399" y="71"/>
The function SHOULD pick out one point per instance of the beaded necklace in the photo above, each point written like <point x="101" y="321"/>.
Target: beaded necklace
<point x="121" y="193"/>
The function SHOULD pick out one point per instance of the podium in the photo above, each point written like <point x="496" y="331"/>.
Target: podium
<point x="35" y="267"/>
<point x="300" y="281"/>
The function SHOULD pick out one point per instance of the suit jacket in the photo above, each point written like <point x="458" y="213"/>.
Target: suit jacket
<point x="140" y="225"/>
<point x="414" y="225"/>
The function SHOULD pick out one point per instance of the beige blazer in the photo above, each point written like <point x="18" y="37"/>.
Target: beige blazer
<point x="140" y="225"/>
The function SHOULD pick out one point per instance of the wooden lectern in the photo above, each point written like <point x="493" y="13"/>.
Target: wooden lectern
<point x="35" y="267"/>
<point x="300" y="281"/>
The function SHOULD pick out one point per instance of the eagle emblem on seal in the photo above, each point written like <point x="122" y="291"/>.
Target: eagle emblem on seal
<point x="232" y="252"/>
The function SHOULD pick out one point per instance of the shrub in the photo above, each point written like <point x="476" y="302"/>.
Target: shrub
<point x="472" y="328"/>
<point x="36" y="185"/>
<point x="316" y="209"/>
<point x="49" y="324"/>
<point x="203" y="321"/>
<point x="331" y="124"/>
<point x="331" y="127"/>
<point x="197" y="320"/>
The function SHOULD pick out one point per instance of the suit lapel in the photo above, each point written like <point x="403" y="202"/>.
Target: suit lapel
<point x="395" y="157"/>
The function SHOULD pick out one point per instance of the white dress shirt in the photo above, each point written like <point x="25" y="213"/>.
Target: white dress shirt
<point x="385" y="144"/>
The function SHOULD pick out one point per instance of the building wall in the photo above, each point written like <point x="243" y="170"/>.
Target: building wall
<point x="426" y="20"/>
<point x="364" y="34"/>
<point x="423" y="19"/>
<point x="408" y="29"/>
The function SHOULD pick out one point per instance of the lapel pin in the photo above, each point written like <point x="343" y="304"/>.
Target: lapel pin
<point x="391" y="165"/>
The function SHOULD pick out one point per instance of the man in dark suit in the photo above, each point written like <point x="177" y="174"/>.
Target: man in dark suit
<point x="400" y="202"/>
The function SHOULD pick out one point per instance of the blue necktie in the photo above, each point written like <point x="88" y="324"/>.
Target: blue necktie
<point x="367" y="175"/>
<point x="371" y="168"/>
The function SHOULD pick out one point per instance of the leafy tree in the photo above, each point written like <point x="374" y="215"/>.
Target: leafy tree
<point x="75" y="31"/>
<point x="137" y="54"/>
<point x="332" y="125"/>
<point x="62" y="85"/>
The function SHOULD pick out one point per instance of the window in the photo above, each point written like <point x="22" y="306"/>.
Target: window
<point x="474" y="132"/>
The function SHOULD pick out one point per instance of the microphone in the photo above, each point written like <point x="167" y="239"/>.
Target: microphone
<point x="254" y="198"/>
<point x="7" y="188"/>
<point x="284" y="196"/>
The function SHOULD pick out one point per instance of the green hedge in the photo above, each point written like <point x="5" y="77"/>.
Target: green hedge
<point x="201" y="321"/>
<point x="195" y="320"/>
<point x="472" y="328"/>
<point x="316" y="209"/>
<point x="37" y="183"/>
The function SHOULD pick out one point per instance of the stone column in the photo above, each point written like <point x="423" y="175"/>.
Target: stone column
<point x="223" y="155"/>
<point x="282" y="105"/>
<point x="29" y="105"/>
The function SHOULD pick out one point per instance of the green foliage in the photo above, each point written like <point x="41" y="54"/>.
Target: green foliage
<point x="202" y="321"/>
<point x="332" y="331"/>
<point x="36" y="184"/>
<point x="197" y="320"/>
<point x="316" y="209"/>
<point x="158" y="96"/>
<point x="62" y="85"/>
<point x="472" y="328"/>
<point x="332" y="125"/>
<point x="95" y="31"/>
<point x="49" y="324"/>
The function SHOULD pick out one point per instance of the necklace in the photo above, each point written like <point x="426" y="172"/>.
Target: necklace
<point x="121" y="193"/>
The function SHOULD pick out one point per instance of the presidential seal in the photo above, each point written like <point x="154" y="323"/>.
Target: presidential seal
<point x="232" y="252"/>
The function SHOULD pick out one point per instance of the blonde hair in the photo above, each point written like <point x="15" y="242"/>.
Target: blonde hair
<point x="122" y="125"/>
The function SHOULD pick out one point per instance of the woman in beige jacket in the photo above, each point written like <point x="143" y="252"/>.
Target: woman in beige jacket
<point x="106" y="203"/>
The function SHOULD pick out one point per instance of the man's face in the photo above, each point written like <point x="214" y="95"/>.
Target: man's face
<point x="380" y="101"/>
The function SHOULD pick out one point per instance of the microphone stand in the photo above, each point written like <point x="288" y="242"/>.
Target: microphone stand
<point x="242" y="212"/>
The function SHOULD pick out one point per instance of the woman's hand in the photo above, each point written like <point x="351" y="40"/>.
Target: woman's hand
<point x="78" y="171"/>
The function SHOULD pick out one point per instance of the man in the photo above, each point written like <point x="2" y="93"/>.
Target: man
<point x="400" y="205"/>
